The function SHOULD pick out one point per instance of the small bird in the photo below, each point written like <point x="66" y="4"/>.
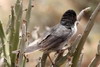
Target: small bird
<point x="57" y="37"/>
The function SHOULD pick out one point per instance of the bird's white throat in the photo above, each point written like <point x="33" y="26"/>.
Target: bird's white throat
<point x="74" y="28"/>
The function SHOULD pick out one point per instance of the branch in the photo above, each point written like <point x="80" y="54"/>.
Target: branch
<point x="84" y="37"/>
<point x="22" y="45"/>
<point x="79" y="17"/>
<point x="43" y="60"/>
<point x="17" y="23"/>
<point x="62" y="59"/>
<point x="28" y="13"/>
<point x="96" y="59"/>
<point x="80" y="60"/>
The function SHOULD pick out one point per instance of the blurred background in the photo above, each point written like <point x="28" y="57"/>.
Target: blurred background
<point x="47" y="13"/>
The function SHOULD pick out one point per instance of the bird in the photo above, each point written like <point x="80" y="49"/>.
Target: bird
<point x="58" y="36"/>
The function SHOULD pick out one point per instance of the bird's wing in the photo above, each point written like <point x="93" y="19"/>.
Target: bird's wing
<point x="52" y="40"/>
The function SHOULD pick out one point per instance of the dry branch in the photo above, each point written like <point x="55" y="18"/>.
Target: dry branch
<point x="96" y="59"/>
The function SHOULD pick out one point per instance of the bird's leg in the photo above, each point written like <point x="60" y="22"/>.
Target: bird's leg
<point x="51" y="60"/>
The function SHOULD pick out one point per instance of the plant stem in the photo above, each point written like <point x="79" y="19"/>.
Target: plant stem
<point x="96" y="59"/>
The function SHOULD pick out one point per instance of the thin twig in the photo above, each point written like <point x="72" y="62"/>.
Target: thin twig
<point x="44" y="58"/>
<point x="22" y="45"/>
<point x="28" y="13"/>
<point x="59" y="56"/>
<point x="85" y="34"/>
<point x="80" y="60"/>
<point x="96" y="59"/>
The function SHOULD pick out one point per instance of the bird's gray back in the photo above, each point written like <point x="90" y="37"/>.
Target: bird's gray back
<point x="53" y="38"/>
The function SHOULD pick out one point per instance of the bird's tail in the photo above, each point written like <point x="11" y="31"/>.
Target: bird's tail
<point x="30" y="48"/>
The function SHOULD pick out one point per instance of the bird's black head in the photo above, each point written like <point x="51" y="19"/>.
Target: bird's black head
<point x="68" y="18"/>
